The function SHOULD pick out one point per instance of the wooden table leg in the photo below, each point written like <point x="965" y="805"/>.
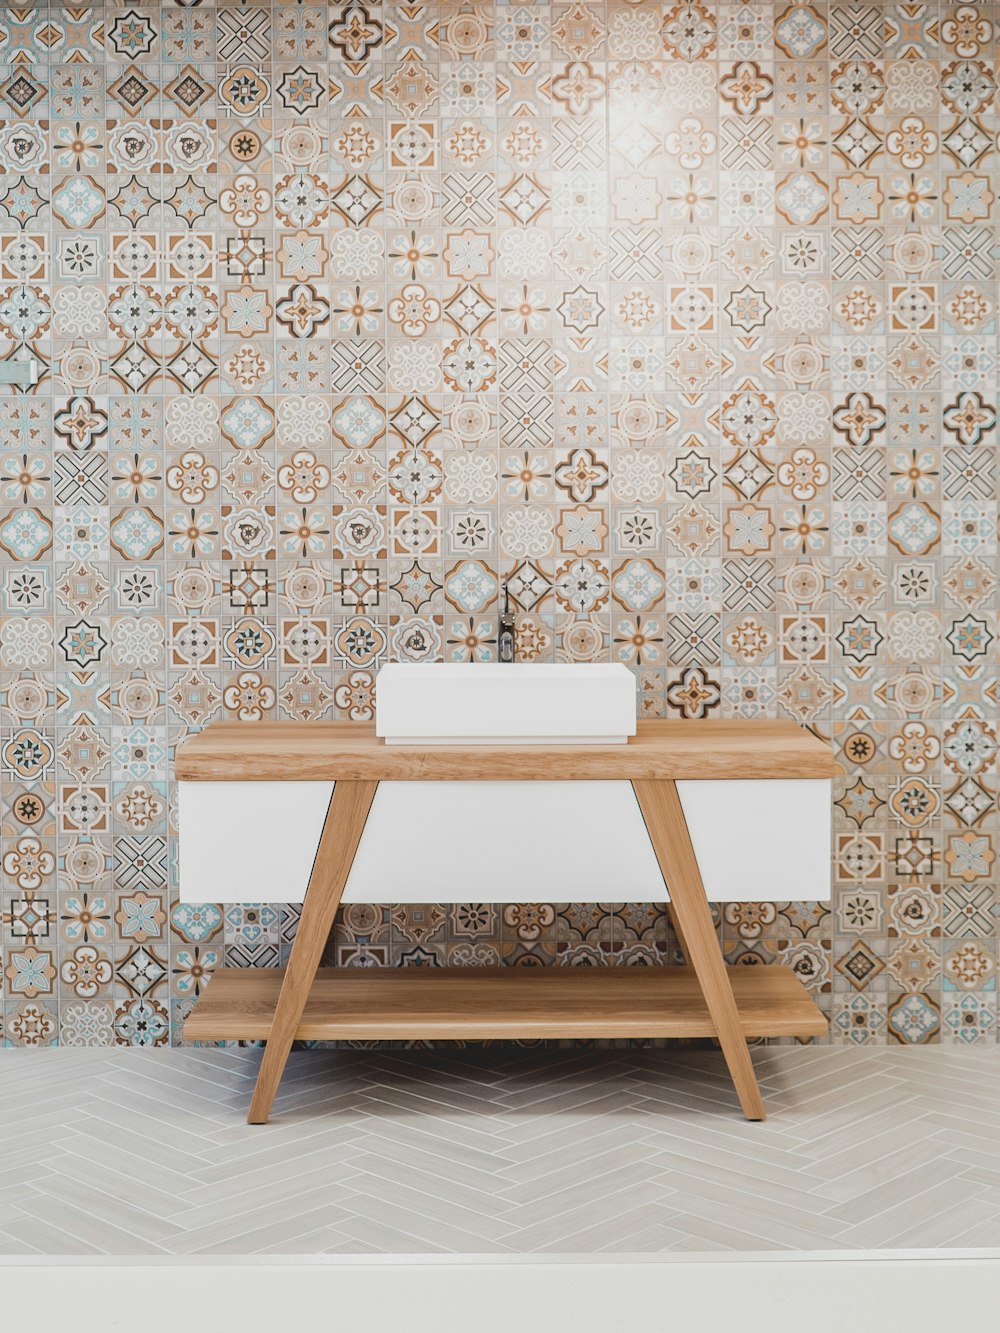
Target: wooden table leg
<point x="675" y="926"/>
<point x="664" y="815"/>
<point x="342" y="830"/>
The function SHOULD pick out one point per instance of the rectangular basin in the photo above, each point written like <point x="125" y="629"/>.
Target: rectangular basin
<point x="511" y="703"/>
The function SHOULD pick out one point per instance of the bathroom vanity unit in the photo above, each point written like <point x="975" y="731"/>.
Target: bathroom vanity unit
<point x="328" y="812"/>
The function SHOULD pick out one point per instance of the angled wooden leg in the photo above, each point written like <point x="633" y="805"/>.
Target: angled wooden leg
<point x="664" y="815"/>
<point x="345" y="823"/>
<point x="675" y="926"/>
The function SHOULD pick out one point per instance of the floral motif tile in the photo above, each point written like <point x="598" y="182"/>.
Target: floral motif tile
<point x="678" y="317"/>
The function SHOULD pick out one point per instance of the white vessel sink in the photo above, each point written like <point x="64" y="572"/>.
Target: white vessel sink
<point x="516" y="703"/>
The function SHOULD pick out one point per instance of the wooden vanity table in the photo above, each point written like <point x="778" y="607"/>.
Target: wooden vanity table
<point x="289" y="811"/>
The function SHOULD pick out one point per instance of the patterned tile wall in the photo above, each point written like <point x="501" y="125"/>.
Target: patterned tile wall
<point x="681" y="317"/>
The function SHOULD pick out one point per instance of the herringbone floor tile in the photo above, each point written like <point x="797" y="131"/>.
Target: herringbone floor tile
<point x="147" y="1153"/>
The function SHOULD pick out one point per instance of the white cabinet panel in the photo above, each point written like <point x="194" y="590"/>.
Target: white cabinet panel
<point x="761" y="841"/>
<point x="503" y="841"/>
<point x="430" y="842"/>
<point x="248" y="842"/>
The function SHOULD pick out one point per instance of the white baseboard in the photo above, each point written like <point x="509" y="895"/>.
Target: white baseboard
<point x="825" y="1293"/>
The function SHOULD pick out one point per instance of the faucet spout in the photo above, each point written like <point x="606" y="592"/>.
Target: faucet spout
<point x="506" y="641"/>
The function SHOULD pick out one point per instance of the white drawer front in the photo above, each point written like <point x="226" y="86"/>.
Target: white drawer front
<point x="456" y="842"/>
<point x="761" y="841"/>
<point x="504" y="841"/>
<point x="248" y="842"/>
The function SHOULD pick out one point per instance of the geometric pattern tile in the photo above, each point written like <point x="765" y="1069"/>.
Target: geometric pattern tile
<point x="679" y="317"/>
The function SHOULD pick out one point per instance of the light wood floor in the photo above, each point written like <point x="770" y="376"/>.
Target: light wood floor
<point x="553" y="1151"/>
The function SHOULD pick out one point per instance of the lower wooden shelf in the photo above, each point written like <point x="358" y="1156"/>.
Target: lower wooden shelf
<point x="478" y="1004"/>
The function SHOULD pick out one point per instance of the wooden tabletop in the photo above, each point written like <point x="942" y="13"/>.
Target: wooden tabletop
<point x="346" y="751"/>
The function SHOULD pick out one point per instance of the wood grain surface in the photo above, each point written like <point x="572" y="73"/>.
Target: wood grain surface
<point x="375" y="1004"/>
<point x="350" y="751"/>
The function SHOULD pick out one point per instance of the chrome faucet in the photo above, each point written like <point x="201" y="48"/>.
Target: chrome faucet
<point x="506" y="644"/>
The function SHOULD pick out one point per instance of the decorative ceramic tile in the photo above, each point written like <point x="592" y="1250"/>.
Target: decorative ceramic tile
<point x="680" y="317"/>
